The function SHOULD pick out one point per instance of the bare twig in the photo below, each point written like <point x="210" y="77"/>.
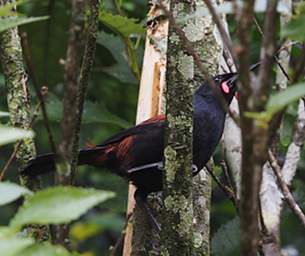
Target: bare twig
<point x="227" y="41"/>
<point x="120" y="240"/>
<point x="39" y="93"/>
<point x="285" y="190"/>
<point x="275" y="57"/>
<point x="17" y="146"/>
<point x="229" y="192"/>
<point x="72" y="65"/>
<point x="85" y="72"/>
<point x="300" y="66"/>
<point x="268" y="49"/>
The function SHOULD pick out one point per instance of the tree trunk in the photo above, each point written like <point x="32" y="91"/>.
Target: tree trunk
<point x="177" y="226"/>
<point x="19" y="107"/>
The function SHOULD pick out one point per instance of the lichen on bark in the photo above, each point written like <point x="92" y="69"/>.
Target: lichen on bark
<point x="177" y="226"/>
<point x="19" y="107"/>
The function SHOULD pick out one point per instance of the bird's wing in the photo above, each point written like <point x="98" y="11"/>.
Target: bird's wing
<point x="142" y="128"/>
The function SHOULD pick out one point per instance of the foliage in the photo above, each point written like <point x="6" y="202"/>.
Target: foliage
<point x="58" y="205"/>
<point x="295" y="28"/>
<point x="9" y="19"/>
<point x="50" y="206"/>
<point x="9" y="192"/>
<point x="280" y="100"/>
<point x="111" y="106"/>
<point x="10" y="134"/>
<point x="121" y="25"/>
<point x="226" y="239"/>
<point x="11" y="22"/>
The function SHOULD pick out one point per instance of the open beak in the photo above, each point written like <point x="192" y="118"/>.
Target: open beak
<point x="233" y="79"/>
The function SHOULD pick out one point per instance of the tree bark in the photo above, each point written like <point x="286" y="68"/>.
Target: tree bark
<point x="18" y="100"/>
<point x="209" y="45"/>
<point x="177" y="226"/>
<point x="140" y="239"/>
<point x="75" y="90"/>
<point x="254" y="95"/>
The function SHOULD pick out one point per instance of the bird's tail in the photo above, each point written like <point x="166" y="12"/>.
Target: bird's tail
<point x="45" y="163"/>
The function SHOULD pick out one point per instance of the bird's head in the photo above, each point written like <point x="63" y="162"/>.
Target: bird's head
<point x="226" y="84"/>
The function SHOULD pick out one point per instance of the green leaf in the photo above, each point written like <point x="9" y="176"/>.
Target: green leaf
<point x="9" y="192"/>
<point x="10" y="22"/>
<point x="6" y="9"/>
<point x="2" y="114"/>
<point x="277" y="102"/>
<point x="121" y="25"/>
<point x="281" y="99"/>
<point x="93" y="113"/>
<point x="114" y="44"/>
<point x="295" y="28"/>
<point x="11" y="134"/>
<point x="6" y="231"/>
<point x="97" y="113"/>
<point x="226" y="239"/>
<point x="46" y="249"/>
<point x="14" y="246"/>
<point x="93" y="225"/>
<point x="58" y="205"/>
<point x="121" y="69"/>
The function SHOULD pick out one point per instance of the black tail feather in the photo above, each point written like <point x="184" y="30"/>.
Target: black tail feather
<point x="42" y="164"/>
<point x="45" y="163"/>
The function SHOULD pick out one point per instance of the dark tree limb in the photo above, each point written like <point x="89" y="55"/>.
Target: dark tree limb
<point x="72" y="66"/>
<point x="296" y="209"/>
<point x="38" y="90"/>
<point x="74" y="96"/>
<point x="254" y="95"/>
<point x="84" y="76"/>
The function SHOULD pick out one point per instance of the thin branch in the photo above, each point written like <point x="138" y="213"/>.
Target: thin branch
<point x="120" y="240"/>
<point x="85" y="72"/>
<point x="285" y="190"/>
<point x="267" y="51"/>
<point x="300" y="67"/>
<point x="72" y="66"/>
<point x="224" y="35"/>
<point x="39" y="93"/>
<point x="17" y="146"/>
<point x="275" y="57"/>
<point x="229" y="192"/>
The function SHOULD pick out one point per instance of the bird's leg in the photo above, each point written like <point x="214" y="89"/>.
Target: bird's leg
<point x="143" y="205"/>
<point x="194" y="169"/>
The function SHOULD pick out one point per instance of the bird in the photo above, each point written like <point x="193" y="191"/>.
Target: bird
<point x="136" y="154"/>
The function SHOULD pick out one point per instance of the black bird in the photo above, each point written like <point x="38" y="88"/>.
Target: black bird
<point x="137" y="153"/>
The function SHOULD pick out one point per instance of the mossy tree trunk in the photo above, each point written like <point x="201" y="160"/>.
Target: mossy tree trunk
<point x="18" y="100"/>
<point x="177" y="226"/>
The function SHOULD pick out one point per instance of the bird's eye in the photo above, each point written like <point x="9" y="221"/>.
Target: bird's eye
<point x="225" y="87"/>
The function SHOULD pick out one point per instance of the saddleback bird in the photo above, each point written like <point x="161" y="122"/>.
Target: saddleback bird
<point x="137" y="153"/>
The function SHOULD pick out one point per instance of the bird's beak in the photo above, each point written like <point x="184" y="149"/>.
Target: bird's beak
<point x="233" y="79"/>
<point x="254" y="66"/>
